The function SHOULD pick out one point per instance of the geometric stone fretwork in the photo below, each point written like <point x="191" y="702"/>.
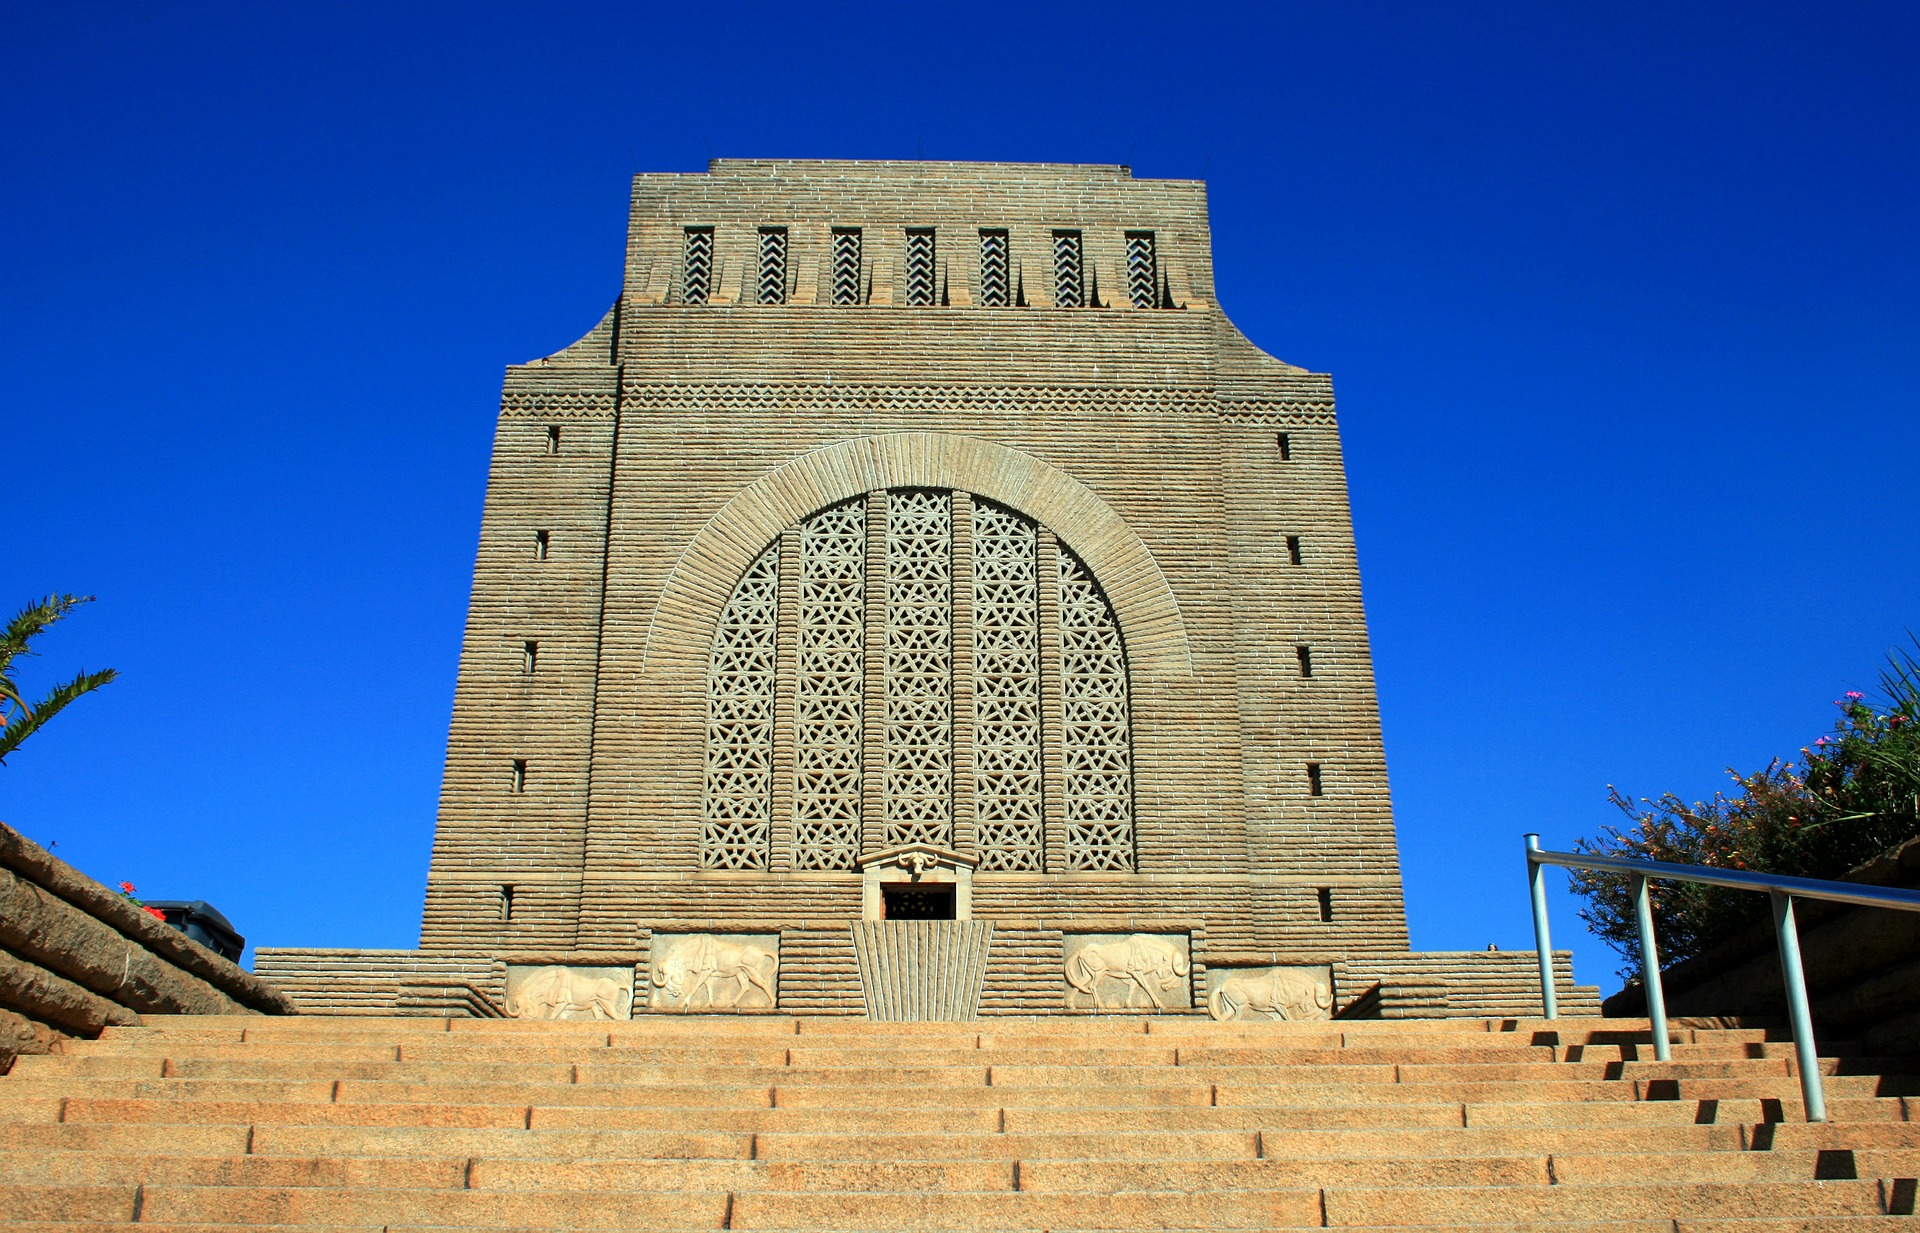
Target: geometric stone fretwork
<point x="1009" y="812"/>
<point x="830" y="676"/>
<point x="920" y="269"/>
<point x="1097" y="742"/>
<point x="773" y="265"/>
<point x="697" y="284"/>
<point x="1143" y="278"/>
<point x="1069" y="291"/>
<point x="736" y="829"/>
<point x="917" y="744"/>
<point x="994" y="275"/>
<point x="846" y="265"/>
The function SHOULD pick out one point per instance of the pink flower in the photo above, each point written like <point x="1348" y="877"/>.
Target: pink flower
<point x="1855" y="694"/>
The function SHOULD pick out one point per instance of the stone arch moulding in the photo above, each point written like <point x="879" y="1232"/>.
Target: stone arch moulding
<point x="704" y="576"/>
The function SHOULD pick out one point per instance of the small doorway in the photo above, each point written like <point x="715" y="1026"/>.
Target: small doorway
<point x="925" y="902"/>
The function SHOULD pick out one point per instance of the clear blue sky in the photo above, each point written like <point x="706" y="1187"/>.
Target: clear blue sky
<point x="1619" y="302"/>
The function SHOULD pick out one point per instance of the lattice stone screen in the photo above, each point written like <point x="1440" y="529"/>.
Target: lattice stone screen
<point x="920" y="268"/>
<point x="773" y="265"/>
<point x="846" y="265"/>
<point x="830" y="678"/>
<point x="697" y="281"/>
<point x="737" y="832"/>
<point x="995" y="279"/>
<point x="896" y="767"/>
<point x="1069" y="291"/>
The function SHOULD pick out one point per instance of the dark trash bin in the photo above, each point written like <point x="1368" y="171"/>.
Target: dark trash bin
<point x="203" y="923"/>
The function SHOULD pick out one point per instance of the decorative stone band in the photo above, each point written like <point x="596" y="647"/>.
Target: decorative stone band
<point x="922" y="971"/>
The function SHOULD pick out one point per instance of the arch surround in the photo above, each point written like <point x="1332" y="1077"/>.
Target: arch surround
<point x="703" y="578"/>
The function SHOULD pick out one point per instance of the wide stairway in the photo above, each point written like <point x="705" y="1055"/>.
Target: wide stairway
<point x="837" y="1124"/>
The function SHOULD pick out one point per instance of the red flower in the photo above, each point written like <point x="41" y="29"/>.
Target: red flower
<point x="156" y="913"/>
<point x="126" y="888"/>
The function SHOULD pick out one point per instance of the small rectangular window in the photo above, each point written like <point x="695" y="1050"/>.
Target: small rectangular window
<point x="1305" y="655"/>
<point x="1326" y="903"/>
<point x="846" y="265"/>
<point x="529" y="657"/>
<point x="698" y="283"/>
<point x="1316" y="783"/>
<point x="1293" y="550"/>
<point x="506" y="903"/>
<point x="1143" y="270"/>
<point x="541" y="541"/>
<point x="921" y="274"/>
<point x="1285" y="443"/>
<point x="553" y="438"/>
<point x="1069" y="287"/>
<point x="519" y="775"/>
<point x="996" y="282"/>
<point x="773" y="265"/>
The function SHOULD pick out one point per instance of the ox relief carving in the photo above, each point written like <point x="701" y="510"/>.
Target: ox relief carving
<point x="1140" y="971"/>
<point x="1270" y="993"/>
<point x="715" y="971"/>
<point x="558" y="992"/>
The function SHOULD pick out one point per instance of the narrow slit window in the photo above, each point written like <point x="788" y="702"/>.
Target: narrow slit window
<point x="553" y="438"/>
<point x="1326" y="903"/>
<point x="846" y="265"/>
<point x="773" y="265"/>
<point x="1069" y="282"/>
<point x="1293" y="550"/>
<point x="698" y="284"/>
<point x="529" y="657"/>
<point x="995" y="271"/>
<point x="542" y="540"/>
<point x="1143" y="270"/>
<point x="506" y="903"/>
<point x="920" y="267"/>
<point x="519" y="775"/>
<point x="1316" y="782"/>
<point x="1285" y="443"/>
<point x="1305" y="655"/>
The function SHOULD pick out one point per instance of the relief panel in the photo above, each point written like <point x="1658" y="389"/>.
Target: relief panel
<point x="714" y="971"/>
<point x="560" y="992"/>
<point x="1121" y="971"/>
<point x="1281" y="992"/>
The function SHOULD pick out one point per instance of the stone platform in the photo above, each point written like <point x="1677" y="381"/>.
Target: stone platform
<point x="775" y="1122"/>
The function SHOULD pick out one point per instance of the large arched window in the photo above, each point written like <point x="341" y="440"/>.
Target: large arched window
<point x="918" y="665"/>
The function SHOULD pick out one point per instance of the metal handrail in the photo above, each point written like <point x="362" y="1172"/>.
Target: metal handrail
<point x="1783" y="890"/>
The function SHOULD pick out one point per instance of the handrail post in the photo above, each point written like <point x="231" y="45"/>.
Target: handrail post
<point x="1650" y="972"/>
<point x="1542" y="939"/>
<point x="1798" y="1012"/>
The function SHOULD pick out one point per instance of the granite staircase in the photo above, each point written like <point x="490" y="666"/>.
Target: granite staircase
<point x="838" y="1124"/>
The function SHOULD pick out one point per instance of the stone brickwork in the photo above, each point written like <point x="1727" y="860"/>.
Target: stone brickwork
<point x="916" y="503"/>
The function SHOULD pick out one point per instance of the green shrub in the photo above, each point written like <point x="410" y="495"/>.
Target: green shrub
<point x="1850" y="796"/>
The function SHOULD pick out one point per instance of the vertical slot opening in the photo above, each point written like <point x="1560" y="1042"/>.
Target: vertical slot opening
<point x="1325" y="895"/>
<point x="506" y="903"/>
<point x="1305" y="655"/>
<point x="1316" y="782"/>
<point x="541" y="541"/>
<point x="520" y="776"/>
<point x="529" y="657"/>
<point x="1285" y="442"/>
<point x="1293" y="550"/>
<point x="553" y="438"/>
